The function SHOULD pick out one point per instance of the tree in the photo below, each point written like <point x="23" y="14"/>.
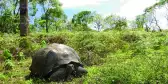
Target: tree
<point x="52" y="9"/>
<point x="98" y="22"/>
<point x="121" y="23"/>
<point x="115" y="22"/>
<point x="150" y="16"/>
<point x="156" y="22"/>
<point x="109" y="21"/>
<point x="59" y="23"/>
<point x="82" y="19"/>
<point x="24" y="18"/>
<point x="140" y="21"/>
<point x="166" y="16"/>
<point x="151" y="19"/>
<point x="9" y="17"/>
<point x="148" y="21"/>
<point x="39" y="24"/>
<point x="132" y="24"/>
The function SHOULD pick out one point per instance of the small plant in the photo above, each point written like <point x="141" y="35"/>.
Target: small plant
<point x="43" y="43"/>
<point x="57" y="39"/>
<point x="7" y="55"/>
<point x="130" y="37"/>
<point x="2" y="76"/>
<point x="20" y="56"/>
<point x="25" y="43"/>
<point x="8" y="65"/>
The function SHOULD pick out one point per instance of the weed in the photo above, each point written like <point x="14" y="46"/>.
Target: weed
<point x="8" y="65"/>
<point x="7" y="55"/>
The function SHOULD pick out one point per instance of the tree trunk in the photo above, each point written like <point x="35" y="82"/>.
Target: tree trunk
<point x="24" y="17"/>
<point x="146" y="28"/>
<point x="46" y="15"/>
<point x="156" y="22"/>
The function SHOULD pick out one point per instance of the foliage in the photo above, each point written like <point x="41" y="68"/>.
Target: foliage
<point x="98" y="22"/>
<point x="2" y="77"/>
<point x="124" y="69"/>
<point x="24" y="43"/>
<point x="7" y="55"/>
<point x="140" y="21"/>
<point x="9" y="22"/>
<point x="148" y="19"/>
<point x="140" y="63"/>
<point x="9" y="15"/>
<point x="111" y="57"/>
<point x="115" y="22"/>
<point x="20" y="56"/>
<point x="8" y="65"/>
<point x="43" y="43"/>
<point x="130" y="37"/>
<point x="54" y="18"/>
<point x="83" y="18"/>
<point x="116" y="56"/>
<point x="52" y="10"/>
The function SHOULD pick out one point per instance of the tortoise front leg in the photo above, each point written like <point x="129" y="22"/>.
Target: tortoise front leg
<point x="59" y="75"/>
<point x="69" y="69"/>
<point x="63" y="73"/>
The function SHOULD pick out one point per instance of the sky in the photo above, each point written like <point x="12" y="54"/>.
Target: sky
<point x="103" y="7"/>
<point x="127" y="8"/>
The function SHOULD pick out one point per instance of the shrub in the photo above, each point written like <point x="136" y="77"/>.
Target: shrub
<point x="2" y="77"/>
<point x="20" y="56"/>
<point x="8" y="41"/>
<point x="130" y="37"/>
<point x="56" y="39"/>
<point x="92" y="46"/>
<point x="25" y="43"/>
<point x="43" y="44"/>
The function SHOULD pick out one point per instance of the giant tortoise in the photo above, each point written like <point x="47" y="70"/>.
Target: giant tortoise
<point x="56" y="62"/>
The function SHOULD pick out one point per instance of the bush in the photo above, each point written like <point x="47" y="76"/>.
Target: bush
<point x="25" y="43"/>
<point x="2" y="77"/>
<point x="130" y="37"/>
<point x="122" y="68"/>
<point x="125" y="57"/>
<point x="92" y="47"/>
<point x="43" y="44"/>
<point x="20" y="56"/>
<point x="56" y="39"/>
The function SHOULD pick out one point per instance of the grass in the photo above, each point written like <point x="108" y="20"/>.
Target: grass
<point x="17" y="74"/>
<point x="112" y="57"/>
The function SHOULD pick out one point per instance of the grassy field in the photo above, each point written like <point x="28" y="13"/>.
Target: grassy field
<point x="112" y="57"/>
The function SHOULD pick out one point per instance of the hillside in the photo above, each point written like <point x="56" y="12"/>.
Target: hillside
<point x="111" y="57"/>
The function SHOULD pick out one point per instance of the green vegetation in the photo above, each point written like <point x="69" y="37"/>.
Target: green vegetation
<point x="110" y="57"/>
<point x="113" y="49"/>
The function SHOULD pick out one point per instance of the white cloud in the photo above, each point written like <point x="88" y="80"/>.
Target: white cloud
<point x="160" y="15"/>
<point x="127" y="8"/>
<point x="122" y="2"/>
<point x="134" y="7"/>
<point x="81" y="3"/>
